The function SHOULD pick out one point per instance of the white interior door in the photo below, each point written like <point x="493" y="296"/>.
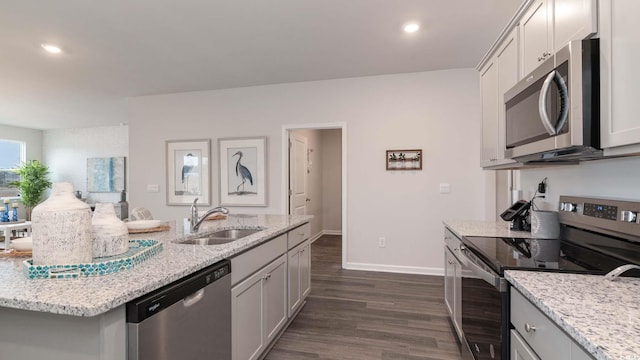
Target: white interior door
<point x="298" y="194"/>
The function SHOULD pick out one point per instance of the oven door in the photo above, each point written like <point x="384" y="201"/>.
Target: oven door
<point x="485" y="310"/>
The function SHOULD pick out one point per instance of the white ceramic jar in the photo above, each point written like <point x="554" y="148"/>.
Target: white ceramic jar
<point x="110" y="234"/>
<point x="61" y="229"/>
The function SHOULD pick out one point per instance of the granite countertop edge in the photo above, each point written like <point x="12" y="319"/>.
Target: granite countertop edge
<point x="499" y="228"/>
<point x="594" y="332"/>
<point x="92" y="296"/>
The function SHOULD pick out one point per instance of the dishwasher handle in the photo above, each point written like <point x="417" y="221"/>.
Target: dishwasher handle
<point x="189" y="289"/>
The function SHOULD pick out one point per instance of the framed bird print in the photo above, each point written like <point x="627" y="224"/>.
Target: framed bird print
<point x="188" y="172"/>
<point x="243" y="179"/>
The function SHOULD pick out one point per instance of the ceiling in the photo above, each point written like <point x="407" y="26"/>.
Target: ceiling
<point x="124" y="48"/>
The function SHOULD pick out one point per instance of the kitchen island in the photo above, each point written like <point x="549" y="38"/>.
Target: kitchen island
<point x="40" y="315"/>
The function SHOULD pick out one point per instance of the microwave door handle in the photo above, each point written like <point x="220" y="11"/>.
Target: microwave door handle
<point x="542" y="104"/>
<point x="564" y="101"/>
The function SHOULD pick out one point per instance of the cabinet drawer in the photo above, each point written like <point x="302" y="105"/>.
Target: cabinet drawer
<point x="545" y="338"/>
<point x="298" y="235"/>
<point x="250" y="261"/>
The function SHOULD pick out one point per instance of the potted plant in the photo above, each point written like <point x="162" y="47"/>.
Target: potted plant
<point x="34" y="180"/>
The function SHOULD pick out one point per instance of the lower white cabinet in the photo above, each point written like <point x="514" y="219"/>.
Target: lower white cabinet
<point x="453" y="282"/>
<point x="535" y="336"/>
<point x="259" y="310"/>
<point x="299" y="275"/>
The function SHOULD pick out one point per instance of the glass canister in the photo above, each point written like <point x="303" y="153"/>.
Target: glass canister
<point x="61" y="229"/>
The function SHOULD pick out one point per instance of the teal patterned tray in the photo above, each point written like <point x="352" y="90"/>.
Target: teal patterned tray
<point x="139" y="251"/>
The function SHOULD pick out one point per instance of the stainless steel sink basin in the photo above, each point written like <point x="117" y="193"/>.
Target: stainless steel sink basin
<point x="220" y="237"/>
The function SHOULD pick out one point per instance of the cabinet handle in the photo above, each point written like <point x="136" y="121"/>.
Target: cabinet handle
<point x="529" y="328"/>
<point x="267" y="277"/>
<point x="450" y="262"/>
<point x="540" y="58"/>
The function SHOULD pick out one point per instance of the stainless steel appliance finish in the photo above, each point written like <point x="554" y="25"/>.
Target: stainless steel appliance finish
<point x="186" y="320"/>
<point x="553" y="114"/>
<point x="596" y="236"/>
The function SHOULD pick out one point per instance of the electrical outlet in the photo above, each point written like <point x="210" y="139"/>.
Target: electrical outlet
<point x="382" y="242"/>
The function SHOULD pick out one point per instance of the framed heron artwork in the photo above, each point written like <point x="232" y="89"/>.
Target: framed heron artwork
<point x="188" y="172"/>
<point x="243" y="171"/>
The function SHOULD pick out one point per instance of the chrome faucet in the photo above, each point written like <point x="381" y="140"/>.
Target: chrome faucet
<point x="196" y="221"/>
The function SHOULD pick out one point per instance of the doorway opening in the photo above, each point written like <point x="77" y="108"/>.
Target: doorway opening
<point x="314" y="178"/>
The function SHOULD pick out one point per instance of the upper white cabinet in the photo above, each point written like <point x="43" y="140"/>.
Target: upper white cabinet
<point x="548" y="25"/>
<point x="498" y="75"/>
<point x="536" y="39"/>
<point x="573" y="20"/>
<point x="619" y="76"/>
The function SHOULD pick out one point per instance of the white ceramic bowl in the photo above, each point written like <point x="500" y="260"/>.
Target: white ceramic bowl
<point x="22" y="244"/>
<point x="143" y="224"/>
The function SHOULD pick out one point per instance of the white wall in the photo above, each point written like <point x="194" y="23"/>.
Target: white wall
<point x="32" y="138"/>
<point x="611" y="178"/>
<point x="66" y="152"/>
<point x="436" y="111"/>
<point x="332" y="181"/>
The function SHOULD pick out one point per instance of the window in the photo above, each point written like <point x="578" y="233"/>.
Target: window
<point x="12" y="154"/>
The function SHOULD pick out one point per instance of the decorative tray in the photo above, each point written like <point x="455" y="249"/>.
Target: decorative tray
<point x="139" y="251"/>
<point x="150" y="230"/>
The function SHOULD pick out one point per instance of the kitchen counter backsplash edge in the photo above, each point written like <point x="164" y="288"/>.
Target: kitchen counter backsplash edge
<point x="96" y="295"/>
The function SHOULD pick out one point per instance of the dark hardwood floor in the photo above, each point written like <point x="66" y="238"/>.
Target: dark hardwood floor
<point x="353" y="315"/>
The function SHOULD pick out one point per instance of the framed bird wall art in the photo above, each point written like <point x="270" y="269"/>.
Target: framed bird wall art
<point x="243" y="171"/>
<point x="188" y="172"/>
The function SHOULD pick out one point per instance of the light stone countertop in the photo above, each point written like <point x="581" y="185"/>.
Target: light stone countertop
<point x="602" y="316"/>
<point x="484" y="228"/>
<point x="90" y="296"/>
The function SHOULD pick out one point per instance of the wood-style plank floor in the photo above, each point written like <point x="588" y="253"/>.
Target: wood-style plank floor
<point x="354" y="315"/>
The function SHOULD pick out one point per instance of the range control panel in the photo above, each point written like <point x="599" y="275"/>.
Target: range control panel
<point x="608" y="212"/>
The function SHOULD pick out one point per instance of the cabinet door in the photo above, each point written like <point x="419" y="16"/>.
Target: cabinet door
<point x="246" y="318"/>
<point x="489" y="94"/>
<point x="519" y="348"/>
<point x="294" y="280"/>
<point x="619" y="73"/>
<point x="305" y="271"/>
<point x="535" y="35"/>
<point x="573" y="20"/>
<point x="275" y="298"/>
<point x="457" y="296"/>
<point x="449" y="273"/>
<point x="508" y="75"/>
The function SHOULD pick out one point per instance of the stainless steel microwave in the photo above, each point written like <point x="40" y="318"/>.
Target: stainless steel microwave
<point x="553" y="114"/>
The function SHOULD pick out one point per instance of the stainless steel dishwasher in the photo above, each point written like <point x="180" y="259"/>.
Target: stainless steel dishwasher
<point x="189" y="319"/>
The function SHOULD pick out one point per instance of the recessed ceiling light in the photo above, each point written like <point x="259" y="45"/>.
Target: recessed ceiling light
<point x="51" y="48"/>
<point x="411" y="28"/>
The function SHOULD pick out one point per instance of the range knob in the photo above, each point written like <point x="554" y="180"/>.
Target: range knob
<point x="628" y="216"/>
<point x="570" y="207"/>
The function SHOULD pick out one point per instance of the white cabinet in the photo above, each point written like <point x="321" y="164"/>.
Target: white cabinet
<point x="453" y="283"/>
<point x="498" y="75"/>
<point x="536" y="35"/>
<point x="258" y="310"/>
<point x="519" y="348"/>
<point x="535" y="336"/>
<point x="488" y="92"/>
<point x="573" y="20"/>
<point x="549" y="25"/>
<point x="299" y="275"/>
<point x="619" y="76"/>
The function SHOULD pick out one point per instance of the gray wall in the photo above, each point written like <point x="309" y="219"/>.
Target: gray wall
<point x="332" y="181"/>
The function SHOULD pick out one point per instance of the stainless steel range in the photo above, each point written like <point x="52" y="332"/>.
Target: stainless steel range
<point x="596" y="236"/>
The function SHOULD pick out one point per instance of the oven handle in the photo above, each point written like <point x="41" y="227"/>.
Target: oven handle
<point x="564" y="100"/>
<point x="493" y="279"/>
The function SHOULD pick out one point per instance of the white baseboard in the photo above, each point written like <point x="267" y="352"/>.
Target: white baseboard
<point x="315" y="237"/>
<point x="395" y="269"/>
<point x="331" y="232"/>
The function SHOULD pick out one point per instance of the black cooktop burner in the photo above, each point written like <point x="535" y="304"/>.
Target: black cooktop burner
<point x="552" y="254"/>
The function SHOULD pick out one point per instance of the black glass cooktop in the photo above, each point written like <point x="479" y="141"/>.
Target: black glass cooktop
<point x="591" y="255"/>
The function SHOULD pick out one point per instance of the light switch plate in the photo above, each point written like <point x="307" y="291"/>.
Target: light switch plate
<point x="445" y="188"/>
<point x="153" y="188"/>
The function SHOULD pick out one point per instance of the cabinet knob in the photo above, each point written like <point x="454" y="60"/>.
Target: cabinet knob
<point x="629" y="216"/>
<point x="450" y="262"/>
<point x="529" y="328"/>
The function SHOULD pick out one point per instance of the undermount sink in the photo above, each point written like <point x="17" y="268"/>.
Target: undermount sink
<point x="220" y="237"/>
